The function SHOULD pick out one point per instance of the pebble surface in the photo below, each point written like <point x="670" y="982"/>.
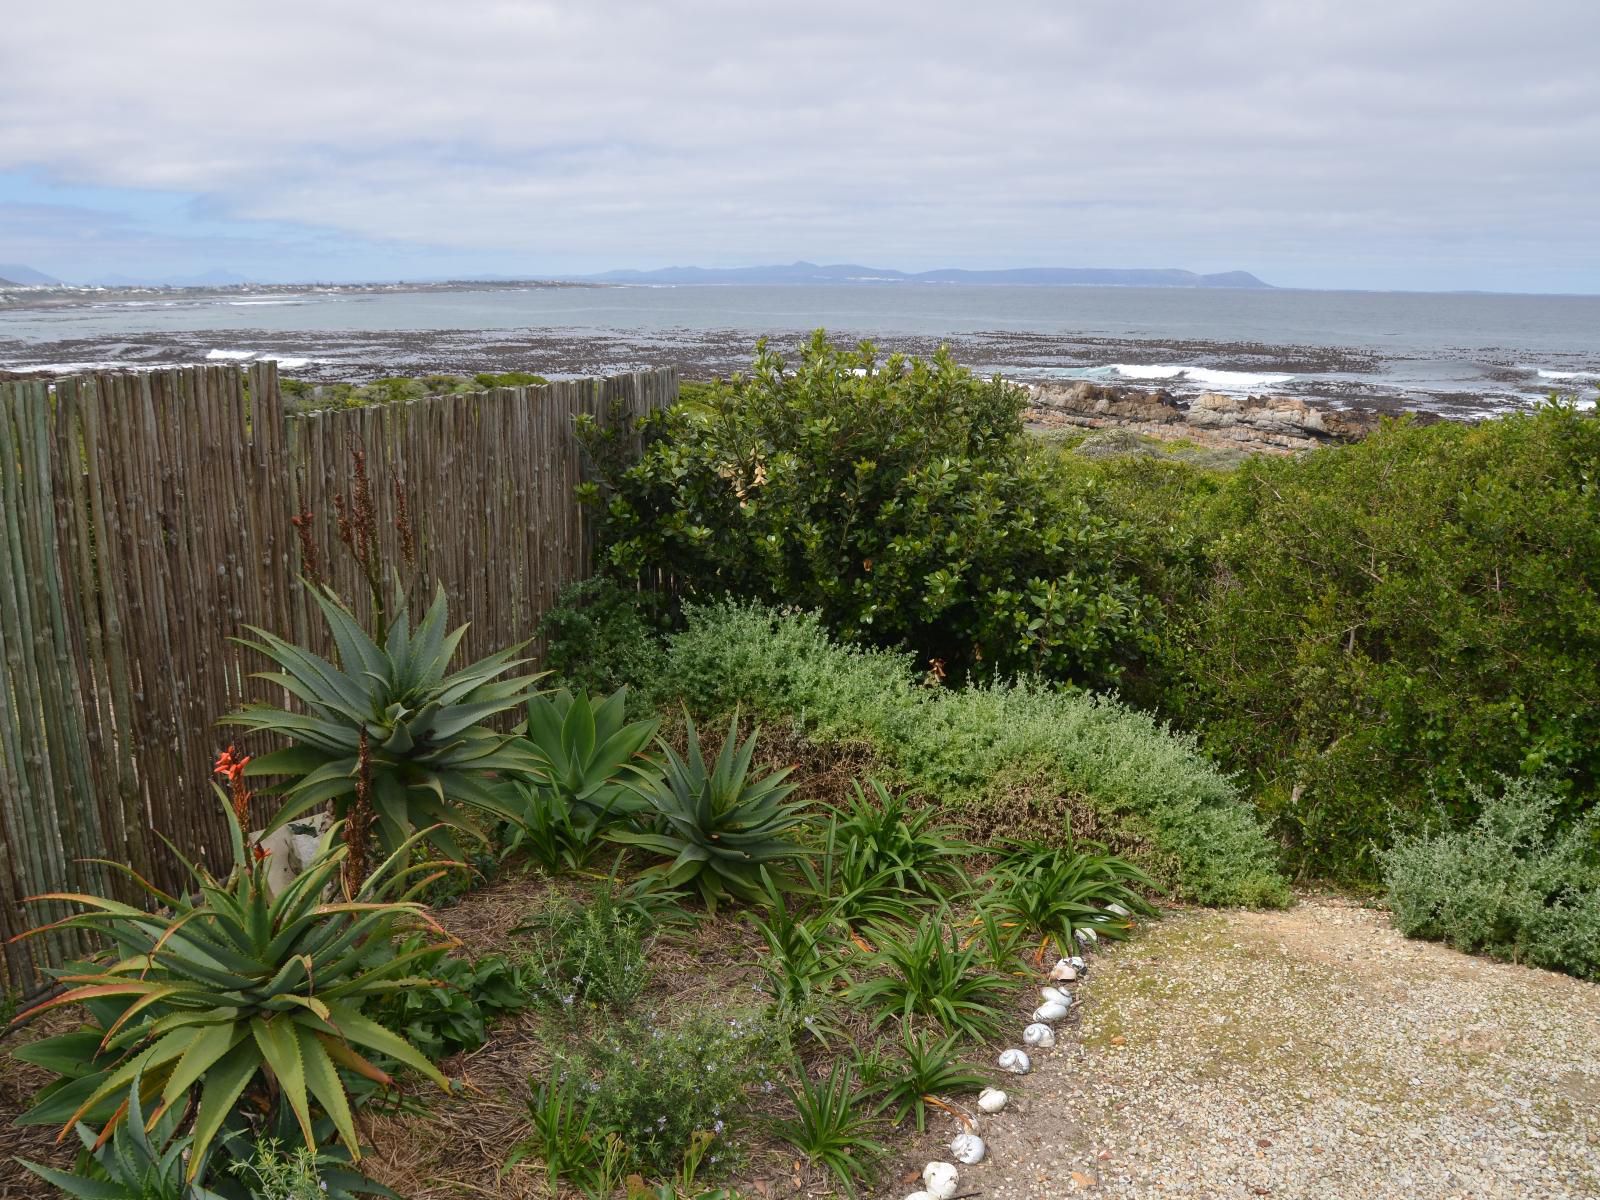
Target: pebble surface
<point x="1307" y="1053"/>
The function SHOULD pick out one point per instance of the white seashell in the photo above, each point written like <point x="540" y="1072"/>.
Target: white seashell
<point x="1118" y="910"/>
<point x="1085" y="936"/>
<point x="1059" y="971"/>
<point x="1055" y="996"/>
<point x="992" y="1100"/>
<point x="1039" y="1035"/>
<point x="920" y="1196"/>
<point x="1050" y="1013"/>
<point x="1076" y="963"/>
<point x="940" y="1179"/>
<point x="967" y="1148"/>
<point x="1015" y="1061"/>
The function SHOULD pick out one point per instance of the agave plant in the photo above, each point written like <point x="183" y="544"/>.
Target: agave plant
<point x="391" y="718"/>
<point x="137" y="1163"/>
<point x="1052" y="892"/>
<point x="582" y="753"/>
<point x="236" y="988"/>
<point x="719" y="827"/>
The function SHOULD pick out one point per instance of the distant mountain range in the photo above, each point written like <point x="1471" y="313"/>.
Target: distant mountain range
<point x="804" y="272"/>
<point x="21" y="276"/>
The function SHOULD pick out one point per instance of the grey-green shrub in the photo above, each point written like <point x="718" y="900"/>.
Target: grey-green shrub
<point x="1156" y="797"/>
<point x="1516" y="884"/>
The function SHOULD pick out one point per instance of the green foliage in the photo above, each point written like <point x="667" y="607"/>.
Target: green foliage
<point x="577" y="787"/>
<point x="662" y="1088"/>
<point x="905" y="1075"/>
<point x="272" y="1171"/>
<point x="1514" y="884"/>
<point x="591" y="953"/>
<point x="234" y="987"/>
<point x="426" y="749"/>
<point x="899" y="499"/>
<point x="801" y="965"/>
<point x="928" y="972"/>
<point x="135" y="1163"/>
<point x="719" y="827"/>
<point x="304" y="396"/>
<point x="1149" y="792"/>
<point x="880" y="840"/>
<point x="1401" y="619"/>
<point x="601" y="636"/>
<point x="830" y="1127"/>
<point x="451" y="1003"/>
<point x="561" y="1133"/>
<point x="1052" y="892"/>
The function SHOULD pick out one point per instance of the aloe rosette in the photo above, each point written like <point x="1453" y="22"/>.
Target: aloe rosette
<point x="428" y="756"/>
<point x="236" y="988"/>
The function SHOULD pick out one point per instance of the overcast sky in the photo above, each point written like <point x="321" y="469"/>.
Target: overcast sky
<point x="1400" y="144"/>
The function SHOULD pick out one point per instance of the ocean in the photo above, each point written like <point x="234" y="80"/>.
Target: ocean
<point x="1461" y="355"/>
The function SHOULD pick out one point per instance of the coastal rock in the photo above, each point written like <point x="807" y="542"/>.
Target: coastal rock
<point x="1252" y="424"/>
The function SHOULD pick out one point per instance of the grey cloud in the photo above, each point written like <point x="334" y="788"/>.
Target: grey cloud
<point x="1293" y="139"/>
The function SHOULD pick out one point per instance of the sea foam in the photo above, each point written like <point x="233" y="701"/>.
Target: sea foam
<point x="1209" y="377"/>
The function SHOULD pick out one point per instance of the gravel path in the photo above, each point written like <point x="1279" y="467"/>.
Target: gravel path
<point x="1307" y="1053"/>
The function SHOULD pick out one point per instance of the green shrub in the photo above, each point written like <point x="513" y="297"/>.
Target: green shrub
<point x="1398" y="620"/>
<point x="905" y="1075"/>
<point x="1056" y="893"/>
<point x="1150" y="792"/>
<point x="830" y="1127"/>
<point x="899" y="499"/>
<point x="601" y="636"/>
<point x="664" y="1088"/>
<point x="1514" y="884"/>
<point x="928" y="972"/>
<point x="591" y="953"/>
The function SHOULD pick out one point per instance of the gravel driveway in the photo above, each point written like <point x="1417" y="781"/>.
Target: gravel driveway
<point x="1307" y="1053"/>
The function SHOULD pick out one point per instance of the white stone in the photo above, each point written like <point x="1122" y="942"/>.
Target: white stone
<point x="1039" y="1035"/>
<point x="967" y="1148"/>
<point x="1015" y="1061"/>
<point x="992" y="1100"/>
<point x="940" y="1179"/>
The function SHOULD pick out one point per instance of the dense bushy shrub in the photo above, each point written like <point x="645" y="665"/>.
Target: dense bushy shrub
<point x="601" y="636"/>
<point x="1154" y="796"/>
<point x="899" y="499"/>
<point x="1514" y="884"/>
<point x="1399" y="619"/>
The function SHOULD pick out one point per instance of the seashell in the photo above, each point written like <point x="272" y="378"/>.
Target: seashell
<point x="1039" y="1035"/>
<point x="1076" y="963"/>
<point x="967" y="1148"/>
<point x="992" y="1100"/>
<point x="940" y="1178"/>
<point x="1052" y="995"/>
<point x="1050" y="1013"/>
<point x="1015" y="1061"/>
<point x="920" y="1196"/>
<point x="1085" y="936"/>
<point x="1063" y="971"/>
<point x="1118" y="910"/>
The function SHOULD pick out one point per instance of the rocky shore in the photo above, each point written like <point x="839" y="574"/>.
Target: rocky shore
<point x="1253" y="424"/>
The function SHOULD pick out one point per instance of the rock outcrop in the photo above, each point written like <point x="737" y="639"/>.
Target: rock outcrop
<point x="1259" y="424"/>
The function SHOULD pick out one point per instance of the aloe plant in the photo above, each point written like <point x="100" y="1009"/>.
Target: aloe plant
<point x="582" y="754"/>
<point x="1052" y="892"/>
<point x="236" y="988"/>
<point x="136" y="1163"/>
<point x="719" y="827"/>
<point x="391" y="718"/>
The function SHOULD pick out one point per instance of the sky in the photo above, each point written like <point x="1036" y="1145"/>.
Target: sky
<point x="1406" y="144"/>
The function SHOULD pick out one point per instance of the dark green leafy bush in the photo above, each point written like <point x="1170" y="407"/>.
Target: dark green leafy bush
<point x="1153" y="797"/>
<point x="1514" y="884"/>
<point x="1400" y="619"/>
<point x="899" y="499"/>
<point x="454" y="1000"/>
<point x="601" y="636"/>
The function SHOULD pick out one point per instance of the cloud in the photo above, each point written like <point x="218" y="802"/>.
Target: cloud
<point x="1445" y="144"/>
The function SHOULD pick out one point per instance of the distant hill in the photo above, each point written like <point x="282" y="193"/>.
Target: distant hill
<point x="213" y="278"/>
<point x="804" y="272"/>
<point x="20" y="276"/>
